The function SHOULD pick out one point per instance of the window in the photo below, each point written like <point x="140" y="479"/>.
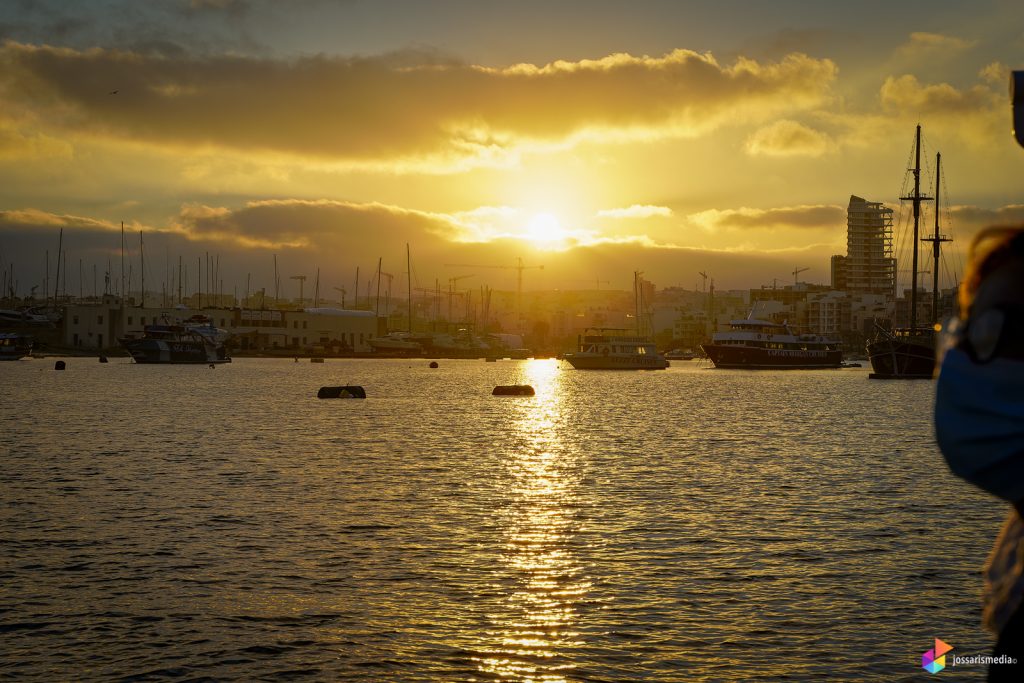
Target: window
<point x="99" y="319"/>
<point x="304" y="324"/>
<point x="129" y="320"/>
<point x="74" y="319"/>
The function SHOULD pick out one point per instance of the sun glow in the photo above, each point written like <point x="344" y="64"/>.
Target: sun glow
<point x="545" y="231"/>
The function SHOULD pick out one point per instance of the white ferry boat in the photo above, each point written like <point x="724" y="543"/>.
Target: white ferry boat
<point x="615" y="352"/>
<point x="758" y="344"/>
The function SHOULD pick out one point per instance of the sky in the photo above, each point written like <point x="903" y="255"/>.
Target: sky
<point x="592" y="138"/>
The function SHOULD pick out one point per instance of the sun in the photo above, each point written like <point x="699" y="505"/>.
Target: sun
<point x="545" y="230"/>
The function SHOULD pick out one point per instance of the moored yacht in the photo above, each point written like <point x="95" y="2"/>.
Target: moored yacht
<point x="14" y="346"/>
<point x="759" y="344"/>
<point x="615" y="352"/>
<point x="195" y="340"/>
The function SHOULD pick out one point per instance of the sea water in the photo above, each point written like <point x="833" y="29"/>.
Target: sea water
<point x="692" y="524"/>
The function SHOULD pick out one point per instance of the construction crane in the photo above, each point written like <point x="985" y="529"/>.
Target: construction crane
<point x="796" y="272"/>
<point x="342" y="290"/>
<point x="705" y="276"/>
<point x="302" y="282"/>
<point x="519" y="267"/>
<point x="452" y="292"/>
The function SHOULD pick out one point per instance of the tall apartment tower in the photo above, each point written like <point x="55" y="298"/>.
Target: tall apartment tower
<point x="869" y="266"/>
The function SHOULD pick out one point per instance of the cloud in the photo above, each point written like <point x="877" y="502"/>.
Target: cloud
<point x="788" y="138"/>
<point x="996" y="73"/>
<point x="970" y="219"/>
<point x="798" y="217"/>
<point x="399" y="109"/>
<point x="17" y="142"/>
<point x="907" y="94"/>
<point x="636" y="211"/>
<point x="35" y="219"/>
<point x="923" y="44"/>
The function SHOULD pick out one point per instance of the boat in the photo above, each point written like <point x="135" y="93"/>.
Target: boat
<point x="14" y="346"/>
<point x="400" y="341"/>
<point x="603" y="351"/>
<point x="395" y="341"/>
<point x="613" y="348"/>
<point x="909" y="353"/>
<point x="680" y="354"/>
<point x="194" y="340"/>
<point x="763" y="345"/>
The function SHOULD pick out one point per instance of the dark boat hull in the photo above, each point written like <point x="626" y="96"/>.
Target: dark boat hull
<point x="156" y="351"/>
<point x="587" y="361"/>
<point x="753" y="358"/>
<point x="902" y="358"/>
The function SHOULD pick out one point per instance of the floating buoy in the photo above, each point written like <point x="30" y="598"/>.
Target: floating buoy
<point x="103" y="359"/>
<point x="59" y="365"/>
<point x="352" y="391"/>
<point x="433" y="363"/>
<point x="513" y="390"/>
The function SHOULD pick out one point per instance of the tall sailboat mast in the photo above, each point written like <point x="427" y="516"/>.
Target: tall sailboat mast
<point x="936" y="239"/>
<point x="408" y="278"/>
<point x="917" y="198"/>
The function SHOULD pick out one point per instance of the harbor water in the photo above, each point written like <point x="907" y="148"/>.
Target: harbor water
<point x="692" y="524"/>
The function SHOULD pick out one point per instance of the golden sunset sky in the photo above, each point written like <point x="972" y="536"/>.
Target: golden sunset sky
<point x="594" y="138"/>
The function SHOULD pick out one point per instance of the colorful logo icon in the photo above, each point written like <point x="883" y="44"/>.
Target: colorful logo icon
<point x="934" y="661"/>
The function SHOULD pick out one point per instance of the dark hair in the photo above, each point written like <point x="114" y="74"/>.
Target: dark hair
<point x="991" y="249"/>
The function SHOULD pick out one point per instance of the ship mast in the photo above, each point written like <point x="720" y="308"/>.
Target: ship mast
<point x="917" y="198"/>
<point x="408" y="277"/>
<point x="936" y="239"/>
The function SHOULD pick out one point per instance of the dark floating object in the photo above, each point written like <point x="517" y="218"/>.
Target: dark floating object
<point x="352" y="391"/>
<point x="490" y="359"/>
<point x="316" y="359"/>
<point x="59" y="365"/>
<point x="103" y="359"/>
<point x="513" y="390"/>
<point x="433" y="363"/>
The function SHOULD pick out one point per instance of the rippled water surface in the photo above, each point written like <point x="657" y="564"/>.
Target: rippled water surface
<point x="685" y="525"/>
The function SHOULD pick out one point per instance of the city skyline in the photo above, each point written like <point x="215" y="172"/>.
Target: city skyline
<point x="672" y="138"/>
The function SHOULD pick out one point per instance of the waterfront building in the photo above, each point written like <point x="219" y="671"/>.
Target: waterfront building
<point x="99" y="325"/>
<point x="869" y="266"/>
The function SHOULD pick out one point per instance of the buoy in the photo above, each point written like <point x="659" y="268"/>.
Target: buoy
<point x="212" y="366"/>
<point x="513" y="390"/>
<point x="352" y="391"/>
<point x="103" y="359"/>
<point x="59" y="365"/>
<point x="433" y="363"/>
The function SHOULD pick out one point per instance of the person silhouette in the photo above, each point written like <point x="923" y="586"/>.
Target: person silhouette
<point x="979" y="421"/>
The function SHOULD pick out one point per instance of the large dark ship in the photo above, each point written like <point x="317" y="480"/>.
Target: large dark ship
<point x="762" y="345"/>
<point x="909" y="352"/>
<point x="195" y="340"/>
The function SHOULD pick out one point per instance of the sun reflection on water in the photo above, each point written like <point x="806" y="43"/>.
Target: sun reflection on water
<point x="536" y="631"/>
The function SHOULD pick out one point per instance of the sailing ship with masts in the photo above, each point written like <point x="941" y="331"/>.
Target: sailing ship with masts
<point x="909" y="352"/>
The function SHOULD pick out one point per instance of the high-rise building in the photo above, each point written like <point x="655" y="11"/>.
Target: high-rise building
<point x="869" y="266"/>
